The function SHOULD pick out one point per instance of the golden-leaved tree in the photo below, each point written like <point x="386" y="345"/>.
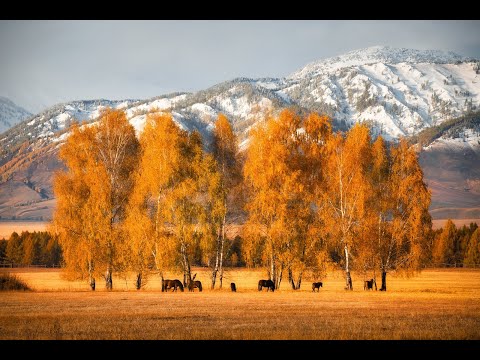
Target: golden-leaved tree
<point x="281" y="227"/>
<point x="194" y="204"/>
<point x="159" y="170"/>
<point x="443" y="249"/>
<point x="270" y="186"/>
<point x="373" y="236"/>
<point x="225" y="152"/>
<point x="92" y="195"/>
<point x="346" y="190"/>
<point x="306" y="246"/>
<point x="409" y="223"/>
<point x="472" y="255"/>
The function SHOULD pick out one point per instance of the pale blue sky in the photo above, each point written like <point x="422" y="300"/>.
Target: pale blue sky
<point x="46" y="62"/>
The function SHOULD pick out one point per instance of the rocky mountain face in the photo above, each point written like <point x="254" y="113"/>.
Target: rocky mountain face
<point x="10" y="114"/>
<point x="399" y="92"/>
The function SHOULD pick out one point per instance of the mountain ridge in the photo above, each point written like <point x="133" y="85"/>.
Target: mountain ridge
<point x="11" y="114"/>
<point x="396" y="99"/>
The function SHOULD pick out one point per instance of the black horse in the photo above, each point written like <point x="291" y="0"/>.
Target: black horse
<point x="317" y="285"/>
<point x="233" y="287"/>
<point x="368" y="284"/>
<point x="192" y="284"/>
<point x="195" y="284"/>
<point x="266" y="283"/>
<point x="172" y="284"/>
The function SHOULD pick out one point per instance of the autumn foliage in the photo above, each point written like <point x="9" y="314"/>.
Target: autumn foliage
<point x="311" y="199"/>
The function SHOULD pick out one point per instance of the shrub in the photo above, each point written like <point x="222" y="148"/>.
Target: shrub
<point x="12" y="282"/>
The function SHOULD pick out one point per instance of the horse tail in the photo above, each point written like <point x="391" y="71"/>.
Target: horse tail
<point x="180" y="285"/>
<point x="199" y="286"/>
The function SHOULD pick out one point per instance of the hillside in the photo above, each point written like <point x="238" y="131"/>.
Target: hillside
<point x="400" y="92"/>
<point x="450" y="159"/>
<point x="10" y="114"/>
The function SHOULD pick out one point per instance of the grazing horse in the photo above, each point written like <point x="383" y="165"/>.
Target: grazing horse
<point x="195" y="284"/>
<point x="266" y="283"/>
<point x="317" y="286"/>
<point x="192" y="284"/>
<point x="368" y="284"/>
<point x="172" y="284"/>
<point x="233" y="287"/>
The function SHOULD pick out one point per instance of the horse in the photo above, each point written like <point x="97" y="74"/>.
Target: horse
<point x="266" y="283"/>
<point x="195" y="284"/>
<point x="233" y="287"/>
<point x="172" y="284"/>
<point x="368" y="284"/>
<point x="317" y="285"/>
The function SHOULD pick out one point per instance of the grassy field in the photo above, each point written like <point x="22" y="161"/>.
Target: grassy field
<point x="437" y="304"/>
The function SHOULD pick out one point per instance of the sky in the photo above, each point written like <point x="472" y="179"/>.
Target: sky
<point x="46" y="62"/>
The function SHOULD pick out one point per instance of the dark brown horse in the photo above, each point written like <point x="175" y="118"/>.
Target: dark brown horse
<point x="266" y="283"/>
<point x="233" y="287"/>
<point x="317" y="285"/>
<point x="368" y="284"/>
<point x="195" y="284"/>
<point x="172" y="284"/>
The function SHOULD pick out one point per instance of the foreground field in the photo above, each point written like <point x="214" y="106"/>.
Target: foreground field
<point x="437" y="304"/>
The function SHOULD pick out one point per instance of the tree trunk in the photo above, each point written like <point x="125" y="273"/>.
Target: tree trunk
<point x="162" y="280"/>
<point x="299" y="281"/>
<point x="384" y="281"/>
<point x="92" y="283"/>
<point x="279" y="278"/>
<point x="290" y="279"/>
<point x="273" y="273"/>
<point x="108" y="278"/>
<point x="187" y="275"/>
<point x="222" y="245"/>
<point x="91" y="279"/>
<point x="217" y="263"/>
<point x="138" y="283"/>
<point x="347" y="271"/>
<point x="221" y="277"/>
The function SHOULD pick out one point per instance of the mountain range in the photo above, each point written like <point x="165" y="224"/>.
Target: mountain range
<point x="11" y="114"/>
<point x="399" y="92"/>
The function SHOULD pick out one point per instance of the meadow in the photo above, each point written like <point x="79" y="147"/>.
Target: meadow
<point x="436" y="304"/>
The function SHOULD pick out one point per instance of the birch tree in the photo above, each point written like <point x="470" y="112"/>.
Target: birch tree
<point x="346" y="189"/>
<point x="225" y="152"/>
<point x="100" y="161"/>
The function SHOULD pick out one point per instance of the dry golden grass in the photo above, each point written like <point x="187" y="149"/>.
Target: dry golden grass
<point x="437" y="304"/>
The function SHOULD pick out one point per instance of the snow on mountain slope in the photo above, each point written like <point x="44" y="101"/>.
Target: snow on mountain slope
<point x="398" y="91"/>
<point x="451" y="166"/>
<point x="10" y="114"/>
<point x="377" y="54"/>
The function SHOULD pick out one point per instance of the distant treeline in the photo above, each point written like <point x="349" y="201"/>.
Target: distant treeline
<point x="453" y="127"/>
<point x="37" y="248"/>
<point x="452" y="246"/>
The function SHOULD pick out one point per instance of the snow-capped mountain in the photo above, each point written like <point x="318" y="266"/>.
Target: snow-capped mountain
<point x="378" y="54"/>
<point x="451" y="166"/>
<point x="399" y="92"/>
<point x="10" y="114"/>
